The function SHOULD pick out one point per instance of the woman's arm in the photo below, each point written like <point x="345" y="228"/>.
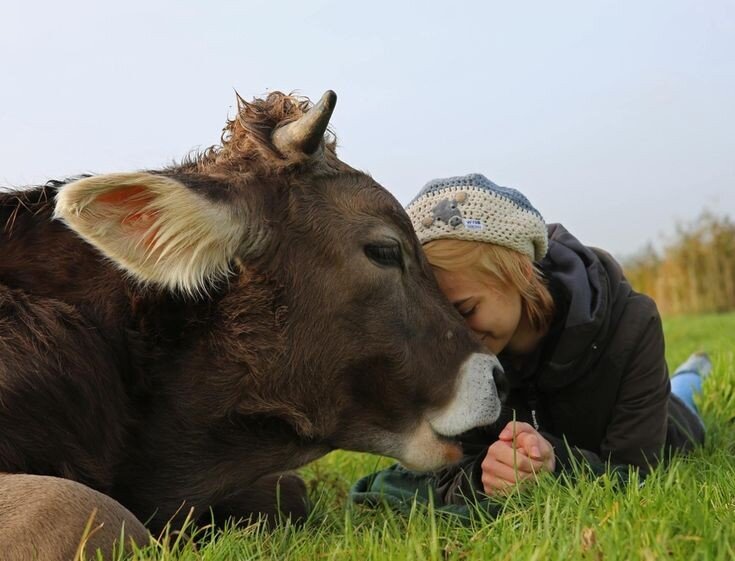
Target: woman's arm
<point x="636" y="432"/>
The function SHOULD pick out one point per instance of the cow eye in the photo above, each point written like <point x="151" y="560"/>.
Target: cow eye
<point x="389" y="255"/>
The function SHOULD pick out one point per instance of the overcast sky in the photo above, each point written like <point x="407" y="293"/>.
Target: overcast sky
<point x="614" y="118"/>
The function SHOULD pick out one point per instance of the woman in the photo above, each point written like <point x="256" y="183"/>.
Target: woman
<point x="582" y="351"/>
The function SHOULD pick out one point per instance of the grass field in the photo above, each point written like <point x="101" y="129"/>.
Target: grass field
<point x="686" y="511"/>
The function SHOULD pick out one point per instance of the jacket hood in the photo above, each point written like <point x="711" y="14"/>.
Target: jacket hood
<point x="594" y="289"/>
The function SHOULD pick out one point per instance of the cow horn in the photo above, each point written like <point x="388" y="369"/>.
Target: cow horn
<point x="305" y="134"/>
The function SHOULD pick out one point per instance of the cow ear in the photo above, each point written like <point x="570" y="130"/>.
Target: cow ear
<point x="154" y="227"/>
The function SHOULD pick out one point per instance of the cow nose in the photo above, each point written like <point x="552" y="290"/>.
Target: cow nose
<point x="501" y="383"/>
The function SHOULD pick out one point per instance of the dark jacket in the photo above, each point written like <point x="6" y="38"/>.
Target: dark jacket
<point x="597" y="388"/>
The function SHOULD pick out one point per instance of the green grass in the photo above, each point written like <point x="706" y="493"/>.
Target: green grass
<point x="686" y="511"/>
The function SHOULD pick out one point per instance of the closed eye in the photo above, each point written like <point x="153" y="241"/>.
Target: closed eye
<point x="466" y="306"/>
<point x="386" y="255"/>
<point x="468" y="313"/>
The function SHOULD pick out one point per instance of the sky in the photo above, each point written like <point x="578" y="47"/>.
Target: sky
<point x="616" y="119"/>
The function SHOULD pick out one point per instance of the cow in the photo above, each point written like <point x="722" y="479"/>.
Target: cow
<point x="175" y="342"/>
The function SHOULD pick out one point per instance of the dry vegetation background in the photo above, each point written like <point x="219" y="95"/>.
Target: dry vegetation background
<point x="694" y="273"/>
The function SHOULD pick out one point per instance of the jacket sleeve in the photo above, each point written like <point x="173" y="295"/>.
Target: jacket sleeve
<point x="461" y="482"/>
<point x="636" y="432"/>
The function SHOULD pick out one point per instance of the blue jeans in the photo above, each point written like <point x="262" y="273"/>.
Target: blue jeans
<point x="687" y="379"/>
<point x="685" y="385"/>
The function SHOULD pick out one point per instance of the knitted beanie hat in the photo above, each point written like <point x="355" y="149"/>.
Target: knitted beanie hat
<point x="473" y="208"/>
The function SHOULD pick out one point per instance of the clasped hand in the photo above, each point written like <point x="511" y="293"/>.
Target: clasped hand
<point x="519" y="454"/>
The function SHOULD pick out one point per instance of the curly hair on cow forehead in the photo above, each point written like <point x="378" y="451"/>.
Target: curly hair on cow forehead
<point x="247" y="138"/>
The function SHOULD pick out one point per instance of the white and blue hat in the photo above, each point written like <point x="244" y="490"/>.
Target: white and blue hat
<point x="473" y="208"/>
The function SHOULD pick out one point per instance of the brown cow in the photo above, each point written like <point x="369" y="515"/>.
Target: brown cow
<point x="177" y="339"/>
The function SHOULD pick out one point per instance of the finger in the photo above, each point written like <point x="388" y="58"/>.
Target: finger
<point x="510" y="455"/>
<point x="515" y="428"/>
<point x="506" y="454"/>
<point x="502" y="452"/>
<point x="540" y="450"/>
<point x="503" y="449"/>
<point x="531" y="444"/>
<point x="499" y="470"/>
<point x="547" y="450"/>
<point x="536" y="446"/>
<point x="495" y="486"/>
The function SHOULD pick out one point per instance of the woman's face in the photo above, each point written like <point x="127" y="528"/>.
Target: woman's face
<point x="491" y="309"/>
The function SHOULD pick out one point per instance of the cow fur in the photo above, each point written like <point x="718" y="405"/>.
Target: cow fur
<point x="240" y="332"/>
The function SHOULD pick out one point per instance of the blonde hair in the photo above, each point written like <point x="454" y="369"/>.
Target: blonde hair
<point x="504" y="265"/>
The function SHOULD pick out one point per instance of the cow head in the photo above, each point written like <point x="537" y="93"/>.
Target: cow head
<point x="373" y="357"/>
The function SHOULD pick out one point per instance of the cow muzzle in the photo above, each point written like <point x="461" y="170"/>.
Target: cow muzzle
<point x="476" y="403"/>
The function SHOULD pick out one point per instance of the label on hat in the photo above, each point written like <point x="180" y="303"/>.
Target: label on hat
<point x="473" y="224"/>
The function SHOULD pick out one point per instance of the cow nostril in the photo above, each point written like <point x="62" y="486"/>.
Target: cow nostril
<point x="501" y="383"/>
